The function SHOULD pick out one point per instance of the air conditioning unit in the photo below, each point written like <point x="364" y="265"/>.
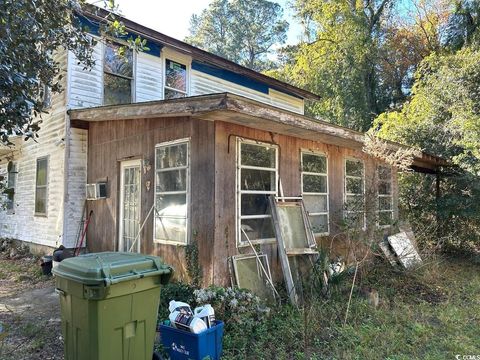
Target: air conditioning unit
<point x="96" y="191"/>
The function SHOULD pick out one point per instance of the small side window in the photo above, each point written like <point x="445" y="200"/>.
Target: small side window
<point x="385" y="198"/>
<point x="175" y="80"/>
<point x="11" y="186"/>
<point x="354" y="200"/>
<point x="41" y="187"/>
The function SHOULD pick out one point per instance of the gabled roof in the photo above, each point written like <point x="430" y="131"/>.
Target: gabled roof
<point x="239" y="110"/>
<point x="200" y="55"/>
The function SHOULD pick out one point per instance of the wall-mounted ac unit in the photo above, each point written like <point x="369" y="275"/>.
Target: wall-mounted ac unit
<point x="96" y="191"/>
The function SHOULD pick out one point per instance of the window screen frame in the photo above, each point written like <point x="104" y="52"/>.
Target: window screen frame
<point x="132" y="79"/>
<point x="47" y="177"/>
<point x="12" y="176"/>
<point x="187" y="218"/>
<point x="327" y="194"/>
<point x="169" y="57"/>
<point x="346" y="194"/>
<point x="238" y="216"/>
<point x="377" y="168"/>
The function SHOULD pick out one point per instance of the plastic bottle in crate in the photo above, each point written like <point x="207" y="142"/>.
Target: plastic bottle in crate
<point x="187" y="322"/>
<point x="206" y="313"/>
<point x="179" y="306"/>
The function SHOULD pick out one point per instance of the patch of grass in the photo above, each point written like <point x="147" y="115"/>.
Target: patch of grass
<point x="432" y="313"/>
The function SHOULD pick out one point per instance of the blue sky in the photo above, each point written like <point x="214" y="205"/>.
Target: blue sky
<point x="172" y="17"/>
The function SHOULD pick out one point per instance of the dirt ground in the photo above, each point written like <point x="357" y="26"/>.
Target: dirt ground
<point x="30" y="326"/>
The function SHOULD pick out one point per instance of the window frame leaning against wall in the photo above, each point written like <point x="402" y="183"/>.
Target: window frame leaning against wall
<point x="187" y="192"/>
<point x="316" y="195"/>
<point x="239" y="192"/>
<point x="11" y="187"/>
<point x="388" y="194"/>
<point x="347" y="194"/>
<point x="111" y="73"/>
<point x="44" y="186"/>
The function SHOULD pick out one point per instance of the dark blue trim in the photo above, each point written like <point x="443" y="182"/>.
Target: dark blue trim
<point x="231" y="76"/>
<point x="93" y="28"/>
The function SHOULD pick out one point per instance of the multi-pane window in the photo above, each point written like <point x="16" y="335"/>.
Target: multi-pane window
<point x="172" y="186"/>
<point x="257" y="175"/>
<point x="41" y="186"/>
<point x="175" y="80"/>
<point x="315" y="190"/>
<point x="385" y="199"/>
<point x="354" y="213"/>
<point x="11" y="184"/>
<point x="117" y="75"/>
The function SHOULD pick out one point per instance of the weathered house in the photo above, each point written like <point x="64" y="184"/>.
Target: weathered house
<point x="189" y="146"/>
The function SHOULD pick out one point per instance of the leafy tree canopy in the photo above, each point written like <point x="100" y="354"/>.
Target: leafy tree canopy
<point x="244" y="31"/>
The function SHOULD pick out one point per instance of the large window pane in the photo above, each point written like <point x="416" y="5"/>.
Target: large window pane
<point x="42" y="172"/>
<point x="314" y="184"/>
<point x="116" y="90"/>
<point x="175" y="75"/>
<point x="258" y="180"/>
<point x="255" y="204"/>
<point x="258" y="155"/>
<point x="385" y="218"/>
<point x="385" y="173"/>
<point x="384" y="188"/>
<point x="315" y="203"/>
<point x="354" y="168"/>
<point x="174" y="180"/>
<point x="354" y="186"/>
<point x="171" y="156"/>
<point x="354" y="202"/>
<point x="170" y="229"/>
<point x="41" y="200"/>
<point x="314" y="163"/>
<point x="257" y="229"/>
<point x="171" y="205"/>
<point x="355" y="219"/>
<point x="385" y="203"/>
<point x="319" y="223"/>
<point x="118" y="64"/>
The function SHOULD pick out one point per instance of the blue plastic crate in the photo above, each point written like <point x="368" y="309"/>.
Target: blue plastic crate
<point x="183" y="345"/>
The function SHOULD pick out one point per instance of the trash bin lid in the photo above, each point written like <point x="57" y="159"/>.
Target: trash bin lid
<point x="109" y="268"/>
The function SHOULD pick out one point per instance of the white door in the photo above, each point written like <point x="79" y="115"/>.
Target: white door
<point x="130" y="186"/>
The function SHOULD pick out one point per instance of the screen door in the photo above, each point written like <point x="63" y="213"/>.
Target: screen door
<point x="129" y="224"/>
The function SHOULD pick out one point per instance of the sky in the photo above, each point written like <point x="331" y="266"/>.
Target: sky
<point x="172" y="17"/>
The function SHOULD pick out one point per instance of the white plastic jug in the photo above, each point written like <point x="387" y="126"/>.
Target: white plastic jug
<point x="206" y="313"/>
<point x="179" y="306"/>
<point x="186" y="322"/>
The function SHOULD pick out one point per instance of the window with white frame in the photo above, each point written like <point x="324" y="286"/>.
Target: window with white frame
<point x="41" y="186"/>
<point x="172" y="191"/>
<point x="10" y="190"/>
<point x="175" y="80"/>
<point x="117" y="75"/>
<point x="354" y="200"/>
<point x="385" y="198"/>
<point x="257" y="174"/>
<point x="315" y="190"/>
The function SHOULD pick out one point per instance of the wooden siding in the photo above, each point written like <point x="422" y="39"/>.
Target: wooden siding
<point x="113" y="141"/>
<point x="148" y="81"/>
<point x="23" y="224"/>
<point x="289" y="173"/>
<point x="202" y="84"/>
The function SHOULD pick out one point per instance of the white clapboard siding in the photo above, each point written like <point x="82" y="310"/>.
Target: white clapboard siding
<point x="23" y="224"/>
<point x="77" y="178"/>
<point x="207" y="84"/>
<point x="85" y="86"/>
<point x="148" y="78"/>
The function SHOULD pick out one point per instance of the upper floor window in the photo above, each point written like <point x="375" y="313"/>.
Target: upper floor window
<point x="41" y="186"/>
<point x="385" y="198"/>
<point x="175" y="80"/>
<point x="257" y="175"/>
<point x="117" y="75"/>
<point x="354" y="193"/>
<point x="11" y="185"/>
<point x="315" y="190"/>
<point x="172" y="189"/>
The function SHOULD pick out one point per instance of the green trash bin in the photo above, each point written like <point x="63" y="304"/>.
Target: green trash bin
<point x="109" y="304"/>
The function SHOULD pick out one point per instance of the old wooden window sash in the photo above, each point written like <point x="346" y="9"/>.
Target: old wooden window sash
<point x="314" y="170"/>
<point x="175" y="79"/>
<point x="41" y="186"/>
<point x="117" y="75"/>
<point x="257" y="179"/>
<point x="385" y="197"/>
<point x="354" y="193"/>
<point x="172" y="192"/>
<point x="11" y="187"/>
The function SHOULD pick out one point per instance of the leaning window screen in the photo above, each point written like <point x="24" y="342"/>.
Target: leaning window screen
<point x="171" y="192"/>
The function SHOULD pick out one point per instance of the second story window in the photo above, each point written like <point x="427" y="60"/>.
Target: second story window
<point x="175" y="80"/>
<point x="117" y="75"/>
